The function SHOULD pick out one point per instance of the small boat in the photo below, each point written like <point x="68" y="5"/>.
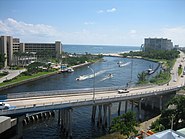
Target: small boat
<point x="70" y="70"/>
<point x="110" y="75"/>
<point x="150" y="71"/>
<point x="119" y="62"/>
<point x="81" y="77"/>
<point x="66" y="70"/>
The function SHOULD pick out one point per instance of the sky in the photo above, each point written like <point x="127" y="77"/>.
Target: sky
<point x="96" y="22"/>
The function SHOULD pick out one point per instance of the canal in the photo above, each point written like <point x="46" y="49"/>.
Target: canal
<point x="82" y="126"/>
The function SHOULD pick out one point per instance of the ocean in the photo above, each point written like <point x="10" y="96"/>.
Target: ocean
<point x="97" y="49"/>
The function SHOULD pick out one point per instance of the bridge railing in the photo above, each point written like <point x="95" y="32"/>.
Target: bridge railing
<point x="117" y="97"/>
<point x="69" y="91"/>
<point x="58" y="92"/>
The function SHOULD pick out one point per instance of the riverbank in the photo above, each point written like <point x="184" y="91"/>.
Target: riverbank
<point x="7" y="85"/>
<point x="81" y="65"/>
<point x="20" y="81"/>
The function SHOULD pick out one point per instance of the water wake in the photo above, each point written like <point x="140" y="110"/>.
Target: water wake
<point x="84" y="77"/>
<point x="107" y="77"/>
<point x="125" y="64"/>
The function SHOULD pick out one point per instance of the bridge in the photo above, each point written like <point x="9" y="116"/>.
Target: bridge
<point x="66" y="100"/>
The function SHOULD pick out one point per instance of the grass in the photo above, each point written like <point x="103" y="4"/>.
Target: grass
<point x="164" y="77"/>
<point x="161" y="78"/>
<point x="21" y="78"/>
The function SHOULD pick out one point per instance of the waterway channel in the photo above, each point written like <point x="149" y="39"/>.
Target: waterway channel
<point x="82" y="126"/>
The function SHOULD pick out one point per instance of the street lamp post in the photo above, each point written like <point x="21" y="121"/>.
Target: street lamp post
<point x="93" y="82"/>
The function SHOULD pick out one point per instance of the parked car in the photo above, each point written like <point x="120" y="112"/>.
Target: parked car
<point x="4" y="106"/>
<point x="123" y="91"/>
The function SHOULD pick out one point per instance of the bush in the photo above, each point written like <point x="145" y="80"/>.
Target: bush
<point x="7" y="80"/>
<point x="4" y="73"/>
<point x="26" y="73"/>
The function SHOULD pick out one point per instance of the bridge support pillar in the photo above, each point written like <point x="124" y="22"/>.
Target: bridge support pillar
<point x="99" y="122"/>
<point x="132" y="105"/>
<point x="160" y="103"/>
<point x="93" y="116"/>
<point x="19" y="127"/>
<point x="126" y="104"/>
<point x="109" y="115"/>
<point x="62" y="119"/>
<point x="105" y="115"/>
<point x="139" y="109"/>
<point x="65" y="121"/>
<point x="119" y="108"/>
<point x="152" y="105"/>
<point x="59" y="117"/>
<point x="70" y="123"/>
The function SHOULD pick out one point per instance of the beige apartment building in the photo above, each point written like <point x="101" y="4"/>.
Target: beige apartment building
<point x="9" y="45"/>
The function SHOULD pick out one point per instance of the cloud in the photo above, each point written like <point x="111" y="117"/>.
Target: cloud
<point x="176" y="34"/>
<point x="89" y="23"/>
<point x="111" y="10"/>
<point x="45" y="33"/>
<point x="133" y="31"/>
<point x="107" y="11"/>
<point x="21" y="29"/>
<point x="100" y="11"/>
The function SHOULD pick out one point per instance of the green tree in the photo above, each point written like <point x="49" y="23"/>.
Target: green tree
<point x="177" y="114"/>
<point x="125" y="124"/>
<point x="157" y="126"/>
<point x="34" y="67"/>
<point x="142" y="77"/>
<point x="17" y="56"/>
<point x="155" y="54"/>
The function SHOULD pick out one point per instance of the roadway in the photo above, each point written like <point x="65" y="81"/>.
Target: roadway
<point x="11" y="74"/>
<point x="107" y="95"/>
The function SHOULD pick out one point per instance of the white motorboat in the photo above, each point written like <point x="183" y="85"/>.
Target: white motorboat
<point x="70" y="69"/>
<point x="110" y="75"/>
<point x="150" y="71"/>
<point x="80" y="78"/>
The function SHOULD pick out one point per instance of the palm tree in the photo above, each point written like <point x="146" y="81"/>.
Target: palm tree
<point x="142" y="77"/>
<point x="17" y="57"/>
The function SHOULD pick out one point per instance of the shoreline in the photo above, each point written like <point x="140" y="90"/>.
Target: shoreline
<point x="39" y="77"/>
<point x="57" y="72"/>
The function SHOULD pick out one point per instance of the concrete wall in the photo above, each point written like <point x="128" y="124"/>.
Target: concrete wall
<point x="10" y="49"/>
<point x="3" y="47"/>
<point x="5" y="123"/>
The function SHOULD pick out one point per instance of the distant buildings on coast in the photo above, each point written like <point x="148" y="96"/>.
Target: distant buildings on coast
<point x="10" y="45"/>
<point x="157" y="44"/>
